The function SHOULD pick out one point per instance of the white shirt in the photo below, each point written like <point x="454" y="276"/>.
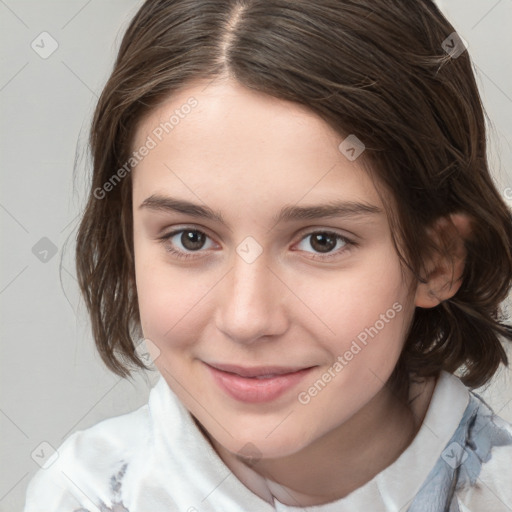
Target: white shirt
<point x="156" y="459"/>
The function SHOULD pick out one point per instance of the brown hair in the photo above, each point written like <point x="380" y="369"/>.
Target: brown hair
<point x="374" y="68"/>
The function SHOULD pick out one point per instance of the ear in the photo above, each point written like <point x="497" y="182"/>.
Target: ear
<point x="443" y="276"/>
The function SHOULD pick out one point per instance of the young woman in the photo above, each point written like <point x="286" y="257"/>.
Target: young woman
<point x="291" y="203"/>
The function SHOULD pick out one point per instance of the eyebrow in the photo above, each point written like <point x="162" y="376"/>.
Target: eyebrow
<point x="346" y="209"/>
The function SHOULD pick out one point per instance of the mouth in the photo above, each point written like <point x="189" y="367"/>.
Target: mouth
<point x="257" y="371"/>
<point x="256" y="384"/>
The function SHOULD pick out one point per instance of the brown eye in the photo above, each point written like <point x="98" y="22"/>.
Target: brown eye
<point x="325" y="243"/>
<point x="183" y="243"/>
<point x="192" y="240"/>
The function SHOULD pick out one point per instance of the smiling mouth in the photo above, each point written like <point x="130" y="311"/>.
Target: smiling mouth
<point x="257" y="372"/>
<point x="257" y="384"/>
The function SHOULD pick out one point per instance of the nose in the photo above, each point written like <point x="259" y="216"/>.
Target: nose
<point x="250" y="303"/>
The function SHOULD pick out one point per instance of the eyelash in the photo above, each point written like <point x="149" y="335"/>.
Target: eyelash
<point x="183" y="255"/>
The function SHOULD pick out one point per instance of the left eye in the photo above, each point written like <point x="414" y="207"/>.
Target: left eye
<point x="325" y="242"/>
<point x="193" y="240"/>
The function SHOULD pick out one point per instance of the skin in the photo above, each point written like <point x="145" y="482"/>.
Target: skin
<point x="247" y="155"/>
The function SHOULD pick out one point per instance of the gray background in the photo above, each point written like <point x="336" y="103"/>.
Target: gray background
<point x="52" y="382"/>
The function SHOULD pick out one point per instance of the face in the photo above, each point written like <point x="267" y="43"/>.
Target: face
<point x="237" y="264"/>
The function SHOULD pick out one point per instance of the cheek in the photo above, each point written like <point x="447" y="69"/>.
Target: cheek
<point x="170" y="300"/>
<point x="376" y="345"/>
<point x="368" y="313"/>
<point x="353" y="301"/>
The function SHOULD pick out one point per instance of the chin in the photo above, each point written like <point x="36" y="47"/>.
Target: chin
<point x="258" y="446"/>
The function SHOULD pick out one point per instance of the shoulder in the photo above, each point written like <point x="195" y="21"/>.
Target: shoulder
<point x="86" y="470"/>
<point x="485" y="481"/>
<point x="474" y="450"/>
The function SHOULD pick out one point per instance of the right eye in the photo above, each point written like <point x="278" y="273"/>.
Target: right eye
<point x="191" y="240"/>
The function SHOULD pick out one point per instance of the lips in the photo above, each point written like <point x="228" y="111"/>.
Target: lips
<point x="257" y="371"/>
<point x="256" y="384"/>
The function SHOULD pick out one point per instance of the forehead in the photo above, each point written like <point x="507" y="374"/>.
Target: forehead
<point x="222" y="140"/>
